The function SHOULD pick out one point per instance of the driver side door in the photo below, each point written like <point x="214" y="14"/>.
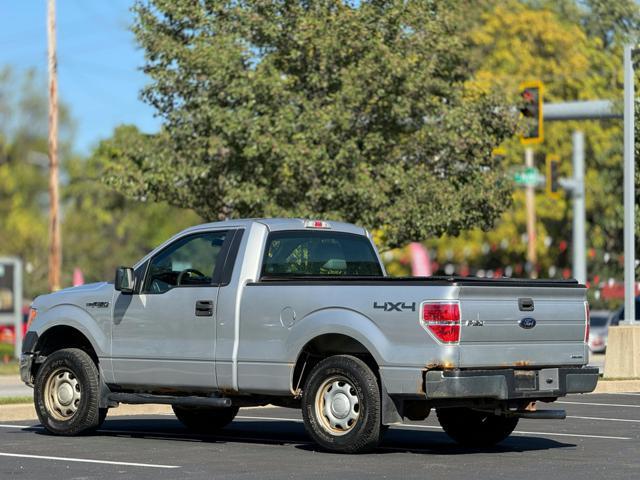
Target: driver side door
<point x="164" y="335"/>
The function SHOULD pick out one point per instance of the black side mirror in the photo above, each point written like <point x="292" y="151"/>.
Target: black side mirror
<point x="125" y="280"/>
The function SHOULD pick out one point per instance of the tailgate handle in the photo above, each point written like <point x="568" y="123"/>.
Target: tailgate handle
<point x="525" y="304"/>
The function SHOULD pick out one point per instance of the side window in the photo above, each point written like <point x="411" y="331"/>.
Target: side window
<point x="189" y="261"/>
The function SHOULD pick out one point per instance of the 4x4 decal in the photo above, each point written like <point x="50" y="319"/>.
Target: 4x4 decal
<point x="395" y="306"/>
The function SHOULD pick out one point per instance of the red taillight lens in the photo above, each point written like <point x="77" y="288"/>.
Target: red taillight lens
<point x="442" y="319"/>
<point x="587" y="320"/>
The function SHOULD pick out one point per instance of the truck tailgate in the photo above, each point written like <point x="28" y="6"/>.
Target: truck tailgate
<point x="522" y="326"/>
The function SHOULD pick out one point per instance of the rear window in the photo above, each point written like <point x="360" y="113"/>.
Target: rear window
<point x="319" y="253"/>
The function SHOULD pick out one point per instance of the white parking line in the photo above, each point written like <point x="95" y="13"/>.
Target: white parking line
<point x="598" y="404"/>
<point x="87" y="460"/>
<point x="602" y="418"/>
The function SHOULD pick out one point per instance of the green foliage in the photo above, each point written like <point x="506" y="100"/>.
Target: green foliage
<point x="101" y="228"/>
<point x="330" y="109"/>
<point x="575" y="49"/>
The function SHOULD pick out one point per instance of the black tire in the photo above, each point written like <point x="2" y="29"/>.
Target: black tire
<point x="205" y="419"/>
<point x="68" y="372"/>
<point x="355" y="381"/>
<point x="475" y="429"/>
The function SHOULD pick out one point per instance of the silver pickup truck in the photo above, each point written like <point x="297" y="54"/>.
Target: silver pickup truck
<point x="301" y="314"/>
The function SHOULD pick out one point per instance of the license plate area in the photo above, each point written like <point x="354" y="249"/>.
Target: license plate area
<point x="525" y="380"/>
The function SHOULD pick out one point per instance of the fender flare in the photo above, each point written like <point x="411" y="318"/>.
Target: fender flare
<point x="68" y="315"/>
<point x="339" y="321"/>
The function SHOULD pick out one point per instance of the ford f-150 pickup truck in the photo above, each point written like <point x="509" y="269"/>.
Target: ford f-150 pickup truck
<point x="301" y="314"/>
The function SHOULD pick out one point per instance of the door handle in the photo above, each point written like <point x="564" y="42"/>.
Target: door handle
<point x="204" y="308"/>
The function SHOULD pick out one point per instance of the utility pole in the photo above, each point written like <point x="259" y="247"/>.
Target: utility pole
<point x="531" y="217"/>
<point x="629" y="189"/>
<point x="55" y="259"/>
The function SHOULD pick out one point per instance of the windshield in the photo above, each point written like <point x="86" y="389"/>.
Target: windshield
<point x="319" y="253"/>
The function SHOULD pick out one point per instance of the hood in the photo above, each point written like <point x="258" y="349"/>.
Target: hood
<point x="80" y="296"/>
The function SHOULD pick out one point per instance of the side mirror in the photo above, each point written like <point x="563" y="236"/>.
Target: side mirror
<point x="125" y="280"/>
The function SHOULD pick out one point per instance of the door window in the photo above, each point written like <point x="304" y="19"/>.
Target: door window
<point x="189" y="261"/>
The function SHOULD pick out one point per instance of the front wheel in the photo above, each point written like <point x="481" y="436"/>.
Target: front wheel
<point x="475" y="429"/>
<point x="341" y="405"/>
<point x="67" y="393"/>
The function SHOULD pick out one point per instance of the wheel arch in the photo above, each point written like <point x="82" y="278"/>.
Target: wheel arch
<point x="334" y="332"/>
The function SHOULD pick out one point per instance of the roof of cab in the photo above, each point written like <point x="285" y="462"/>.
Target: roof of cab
<point x="279" y="224"/>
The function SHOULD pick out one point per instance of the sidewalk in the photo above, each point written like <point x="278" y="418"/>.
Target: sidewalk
<point x="12" y="386"/>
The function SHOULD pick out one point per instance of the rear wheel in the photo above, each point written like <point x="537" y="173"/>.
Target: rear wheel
<point x="205" y="419"/>
<point x="475" y="429"/>
<point x="341" y="405"/>
<point x="67" y="393"/>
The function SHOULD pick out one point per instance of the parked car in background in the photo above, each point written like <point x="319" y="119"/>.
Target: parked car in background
<point x="7" y="332"/>
<point x="618" y="315"/>
<point x="599" y="325"/>
<point x="599" y="330"/>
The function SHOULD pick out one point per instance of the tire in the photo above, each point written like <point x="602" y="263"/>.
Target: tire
<point x="475" y="429"/>
<point x="205" y="419"/>
<point x="67" y="393"/>
<point x="341" y="405"/>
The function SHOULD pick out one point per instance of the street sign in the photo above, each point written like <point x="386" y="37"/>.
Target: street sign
<point x="528" y="176"/>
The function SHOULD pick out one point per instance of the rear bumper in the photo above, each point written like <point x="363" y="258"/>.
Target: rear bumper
<point x="507" y="384"/>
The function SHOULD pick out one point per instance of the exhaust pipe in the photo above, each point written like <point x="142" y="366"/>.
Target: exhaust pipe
<point x="540" y="414"/>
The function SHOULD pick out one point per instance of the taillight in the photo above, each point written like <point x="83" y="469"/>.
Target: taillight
<point x="442" y="319"/>
<point x="33" y="313"/>
<point x="587" y="320"/>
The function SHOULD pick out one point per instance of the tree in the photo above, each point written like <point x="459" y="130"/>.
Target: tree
<point x="101" y="227"/>
<point x="120" y="231"/>
<point x="355" y="111"/>
<point x="577" y="52"/>
<point x="23" y="174"/>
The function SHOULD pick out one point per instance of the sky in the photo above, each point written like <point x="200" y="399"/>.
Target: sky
<point x="98" y="61"/>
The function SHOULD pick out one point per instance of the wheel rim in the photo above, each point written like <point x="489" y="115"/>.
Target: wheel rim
<point x="337" y="406"/>
<point x="62" y="394"/>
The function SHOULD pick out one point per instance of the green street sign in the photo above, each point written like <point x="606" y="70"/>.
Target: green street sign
<point x="527" y="176"/>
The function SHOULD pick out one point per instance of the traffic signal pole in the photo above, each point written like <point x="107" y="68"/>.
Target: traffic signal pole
<point x="579" y="214"/>
<point x="531" y="217"/>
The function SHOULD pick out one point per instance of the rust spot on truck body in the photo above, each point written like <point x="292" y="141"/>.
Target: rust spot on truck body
<point x="438" y="366"/>
<point x="522" y="363"/>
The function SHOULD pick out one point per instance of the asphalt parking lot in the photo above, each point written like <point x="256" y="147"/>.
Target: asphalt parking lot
<point x="599" y="439"/>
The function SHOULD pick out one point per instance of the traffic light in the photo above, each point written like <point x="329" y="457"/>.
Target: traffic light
<point x="553" y="175"/>
<point x="531" y="109"/>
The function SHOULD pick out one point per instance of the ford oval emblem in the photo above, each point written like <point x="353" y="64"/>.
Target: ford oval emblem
<point x="527" y="323"/>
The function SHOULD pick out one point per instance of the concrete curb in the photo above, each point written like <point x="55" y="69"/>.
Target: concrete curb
<point x="618" y="386"/>
<point x="26" y="411"/>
